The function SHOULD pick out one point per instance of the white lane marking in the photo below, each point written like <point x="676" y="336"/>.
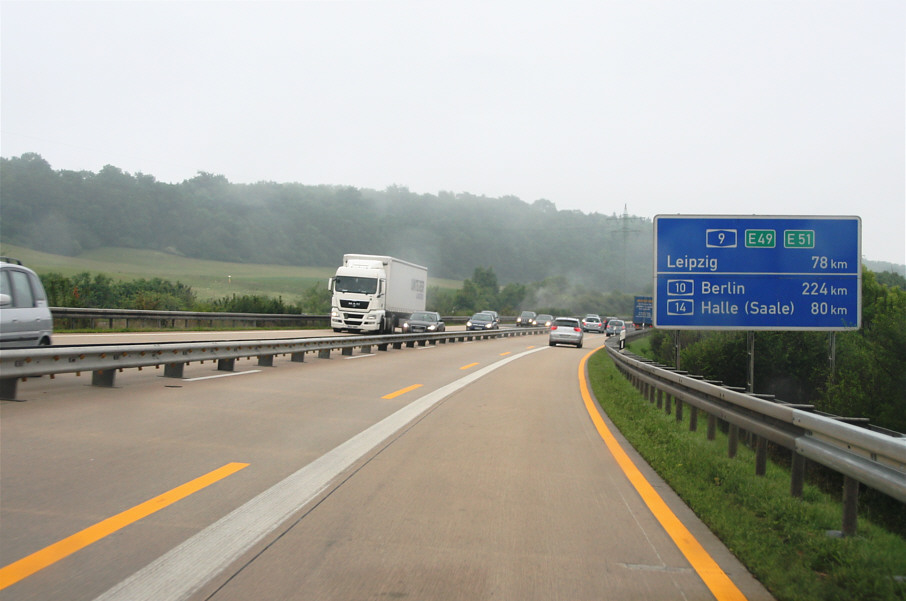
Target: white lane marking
<point x="226" y="375"/>
<point x="360" y="356"/>
<point x="182" y="571"/>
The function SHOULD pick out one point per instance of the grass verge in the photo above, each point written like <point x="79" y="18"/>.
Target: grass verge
<point x="782" y="540"/>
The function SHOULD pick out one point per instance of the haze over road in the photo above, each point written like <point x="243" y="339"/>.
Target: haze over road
<point x="458" y="471"/>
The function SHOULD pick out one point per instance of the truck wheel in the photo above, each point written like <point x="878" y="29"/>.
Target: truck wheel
<point x="338" y="329"/>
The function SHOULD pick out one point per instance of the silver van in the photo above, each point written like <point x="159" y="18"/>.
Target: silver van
<point x="25" y="318"/>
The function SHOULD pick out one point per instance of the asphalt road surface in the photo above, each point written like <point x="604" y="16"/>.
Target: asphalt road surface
<point x="457" y="471"/>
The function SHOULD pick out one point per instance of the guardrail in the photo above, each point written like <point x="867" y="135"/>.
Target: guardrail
<point x="860" y="452"/>
<point x="104" y="361"/>
<point x="72" y="318"/>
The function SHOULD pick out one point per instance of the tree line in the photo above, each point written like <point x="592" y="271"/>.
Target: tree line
<point x="207" y="217"/>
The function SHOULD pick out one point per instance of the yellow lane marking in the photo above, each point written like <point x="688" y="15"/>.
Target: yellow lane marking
<point x="506" y="353"/>
<point x="714" y="578"/>
<point x="393" y="395"/>
<point x="25" y="567"/>
<point x="530" y="346"/>
<point x="468" y="366"/>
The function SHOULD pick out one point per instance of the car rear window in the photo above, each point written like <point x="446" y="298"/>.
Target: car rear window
<point x="568" y="323"/>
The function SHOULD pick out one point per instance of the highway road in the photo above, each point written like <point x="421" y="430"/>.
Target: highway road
<point x="459" y="471"/>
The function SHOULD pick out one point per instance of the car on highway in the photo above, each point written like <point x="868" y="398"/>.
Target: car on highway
<point x="481" y="321"/>
<point x="526" y="319"/>
<point x="424" y="321"/>
<point x="615" y="326"/>
<point x="495" y="315"/>
<point x="592" y="323"/>
<point x="25" y="318"/>
<point x="544" y="320"/>
<point x="566" y="330"/>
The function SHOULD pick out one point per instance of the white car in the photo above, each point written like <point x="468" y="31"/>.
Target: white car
<point x="25" y="318"/>
<point x="566" y="330"/>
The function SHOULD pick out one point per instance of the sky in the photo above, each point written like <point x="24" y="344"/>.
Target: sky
<point x="725" y="107"/>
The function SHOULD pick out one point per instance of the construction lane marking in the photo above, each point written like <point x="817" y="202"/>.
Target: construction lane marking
<point x="182" y="571"/>
<point x="227" y="375"/>
<point x="714" y="578"/>
<point x="393" y="395"/>
<point x="39" y="560"/>
<point x="465" y="367"/>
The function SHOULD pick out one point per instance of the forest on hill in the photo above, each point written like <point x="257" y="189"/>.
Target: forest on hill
<point x="207" y="217"/>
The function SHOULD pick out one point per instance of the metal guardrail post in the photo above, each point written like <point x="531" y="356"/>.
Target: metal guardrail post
<point x="797" y="475"/>
<point x="850" y="505"/>
<point x="732" y="441"/>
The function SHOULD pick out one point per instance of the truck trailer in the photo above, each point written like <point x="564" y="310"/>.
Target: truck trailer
<point x="373" y="293"/>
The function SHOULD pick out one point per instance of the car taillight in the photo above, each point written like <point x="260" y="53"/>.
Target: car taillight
<point x="553" y="328"/>
<point x="577" y="329"/>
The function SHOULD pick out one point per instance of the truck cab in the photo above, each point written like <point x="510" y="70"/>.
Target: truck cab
<point x="357" y="299"/>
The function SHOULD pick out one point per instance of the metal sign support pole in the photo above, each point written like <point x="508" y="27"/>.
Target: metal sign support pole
<point x="677" y="346"/>
<point x="750" y="351"/>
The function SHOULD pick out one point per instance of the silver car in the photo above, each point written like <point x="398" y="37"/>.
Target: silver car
<point x="615" y="326"/>
<point x="566" y="330"/>
<point x="25" y="318"/>
<point x="592" y="323"/>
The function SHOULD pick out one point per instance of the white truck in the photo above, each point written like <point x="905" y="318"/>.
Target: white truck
<point x="372" y="293"/>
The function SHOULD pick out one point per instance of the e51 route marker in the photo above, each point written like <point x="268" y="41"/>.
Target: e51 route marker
<point x="733" y="272"/>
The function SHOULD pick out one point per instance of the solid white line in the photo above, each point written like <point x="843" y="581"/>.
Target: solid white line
<point x="226" y="375"/>
<point x="360" y="356"/>
<point x="183" y="570"/>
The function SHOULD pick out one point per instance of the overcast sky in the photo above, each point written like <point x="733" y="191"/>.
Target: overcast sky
<point x="792" y="107"/>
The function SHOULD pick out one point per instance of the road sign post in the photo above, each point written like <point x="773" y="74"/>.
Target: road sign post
<point x="757" y="272"/>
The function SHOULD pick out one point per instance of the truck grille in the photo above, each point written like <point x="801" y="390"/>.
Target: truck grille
<point x="353" y="304"/>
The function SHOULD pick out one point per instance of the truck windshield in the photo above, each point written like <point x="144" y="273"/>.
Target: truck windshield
<point x="345" y="283"/>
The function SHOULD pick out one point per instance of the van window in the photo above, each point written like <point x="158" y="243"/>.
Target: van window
<point x="16" y="284"/>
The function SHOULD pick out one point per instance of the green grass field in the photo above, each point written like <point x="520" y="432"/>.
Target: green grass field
<point x="208" y="279"/>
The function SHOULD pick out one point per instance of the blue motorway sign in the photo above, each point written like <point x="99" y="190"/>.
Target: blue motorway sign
<point x="757" y="272"/>
<point x="643" y="310"/>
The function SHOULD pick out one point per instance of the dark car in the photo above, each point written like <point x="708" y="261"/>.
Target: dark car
<point x="481" y="321"/>
<point x="544" y="320"/>
<point x="494" y="315"/>
<point x="526" y="319"/>
<point x="424" y="321"/>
